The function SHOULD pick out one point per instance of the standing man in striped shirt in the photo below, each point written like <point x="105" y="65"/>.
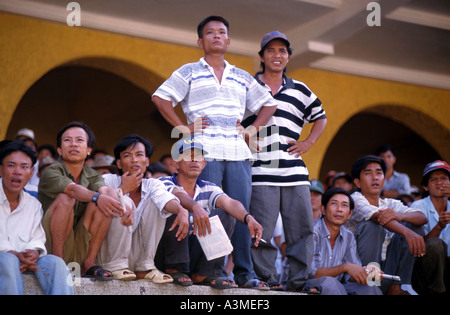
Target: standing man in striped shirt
<point x="214" y="96"/>
<point x="279" y="176"/>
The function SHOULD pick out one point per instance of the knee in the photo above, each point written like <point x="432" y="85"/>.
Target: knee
<point x="64" y="201"/>
<point x="435" y="247"/>
<point x="369" y="229"/>
<point x="52" y="263"/>
<point x="331" y="286"/>
<point x="9" y="263"/>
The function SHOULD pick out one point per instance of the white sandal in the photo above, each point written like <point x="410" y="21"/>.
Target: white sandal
<point x="157" y="276"/>
<point x="123" y="275"/>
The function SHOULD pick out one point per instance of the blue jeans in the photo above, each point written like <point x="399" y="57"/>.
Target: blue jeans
<point x="235" y="178"/>
<point x="53" y="275"/>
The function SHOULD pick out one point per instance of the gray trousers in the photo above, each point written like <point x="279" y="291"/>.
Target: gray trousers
<point x="332" y="286"/>
<point x="399" y="261"/>
<point x="122" y="249"/>
<point x="294" y="204"/>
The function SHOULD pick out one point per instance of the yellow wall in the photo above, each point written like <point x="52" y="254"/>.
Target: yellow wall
<point x="30" y="48"/>
<point x="424" y="110"/>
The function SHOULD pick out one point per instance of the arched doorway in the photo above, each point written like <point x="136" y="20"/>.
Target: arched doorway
<point x="366" y="131"/>
<point x="112" y="105"/>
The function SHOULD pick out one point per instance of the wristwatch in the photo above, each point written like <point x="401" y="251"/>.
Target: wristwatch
<point x="95" y="198"/>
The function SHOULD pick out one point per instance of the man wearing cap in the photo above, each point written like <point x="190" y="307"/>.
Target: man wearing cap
<point x="280" y="180"/>
<point x="343" y="180"/>
<point x="202" y="199"/>
<point x="431" y="273"/>
<point x="316" y="191"/>
<point x="102" y="165"/>
<point x="215" y="96"/>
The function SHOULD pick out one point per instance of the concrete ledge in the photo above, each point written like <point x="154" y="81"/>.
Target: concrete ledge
<point x="116" y="287"/>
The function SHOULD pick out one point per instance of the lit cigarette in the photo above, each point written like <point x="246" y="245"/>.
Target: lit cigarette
<point x="391" y="277"/>
<point x="388" y="277"/>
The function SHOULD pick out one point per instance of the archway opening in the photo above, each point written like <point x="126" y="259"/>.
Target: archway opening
<point x="365" y="132"/>
<point x="110" y="104"/>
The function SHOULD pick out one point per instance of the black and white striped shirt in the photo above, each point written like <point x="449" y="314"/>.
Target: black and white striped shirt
<point x="297" y="106"/>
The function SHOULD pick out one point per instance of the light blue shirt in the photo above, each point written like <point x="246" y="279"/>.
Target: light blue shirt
<point x="399" y="182"/>
<point x="344" y="250"/>
<point x="427" y="207"/>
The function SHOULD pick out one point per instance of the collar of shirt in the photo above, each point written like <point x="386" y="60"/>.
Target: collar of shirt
<point x="198" y="184"/>
<point x="323" y="230"/>
<point x="4" y="200"/>
<point x="288" y="83"/>
<point x="226" y="70"/>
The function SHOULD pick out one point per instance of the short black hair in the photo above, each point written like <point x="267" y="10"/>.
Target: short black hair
<point x="362" y="162"/>
<point x="202" y="24"/>
<point x="132" y="140"/>
<point x="385" y="148"/>
<point x="329" y="193"/>
<point x="48" y="147"/>
<point x="76" y="124"/>
<point x="17" y="146"/>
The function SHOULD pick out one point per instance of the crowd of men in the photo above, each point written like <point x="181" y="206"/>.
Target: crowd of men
<point x="239" y="159"/>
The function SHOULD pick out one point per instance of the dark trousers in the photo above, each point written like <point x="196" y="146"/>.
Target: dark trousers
<point x="187" y="255"/>
<point x="399" y="261"/>
<point x="431" y="274"/>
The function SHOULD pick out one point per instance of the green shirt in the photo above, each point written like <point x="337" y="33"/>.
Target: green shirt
<point x="55" y="179"/>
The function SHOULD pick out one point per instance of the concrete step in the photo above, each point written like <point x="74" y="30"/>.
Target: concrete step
<point x="115" y="287"/>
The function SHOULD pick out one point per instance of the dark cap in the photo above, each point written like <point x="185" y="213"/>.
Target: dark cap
<point x="434" y="166"/>
<point x="271" y="36"/>
<point x="316" y="186"/>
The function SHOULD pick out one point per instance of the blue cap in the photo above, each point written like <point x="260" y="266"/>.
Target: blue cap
<point x="273" y="35"/>
<point x="186" y="144"/>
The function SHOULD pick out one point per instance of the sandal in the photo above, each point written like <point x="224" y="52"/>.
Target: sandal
<point x="157" y="276"/>
<point x="255" y="284"/>
<point x="124" y="275"/>
<point x="98" y="273"/>
<point x="221" y="282"/>
<point x="306" y="288"/>
<point x="276" y="286"/>
<point x="177" y="276"/>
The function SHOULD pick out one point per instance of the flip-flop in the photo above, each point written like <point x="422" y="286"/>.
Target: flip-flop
<point x="306" y="288"/>
<point x="254" y="284"/>
<point x="276" y="287"/>
<point x="221" y="283"/>
<point x="177" y="276"/>
<point x="124" y="275"/>
<point x="98" y="273"/>
<point x="157" y="276"/>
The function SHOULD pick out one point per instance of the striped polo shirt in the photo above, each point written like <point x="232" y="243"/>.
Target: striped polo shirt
<point x="206" y="193"/>
<point x="200" y="93"/>
<point x="297" y="106"/>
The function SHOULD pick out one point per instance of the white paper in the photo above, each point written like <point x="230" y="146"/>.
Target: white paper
<point x="217" y="244"/>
